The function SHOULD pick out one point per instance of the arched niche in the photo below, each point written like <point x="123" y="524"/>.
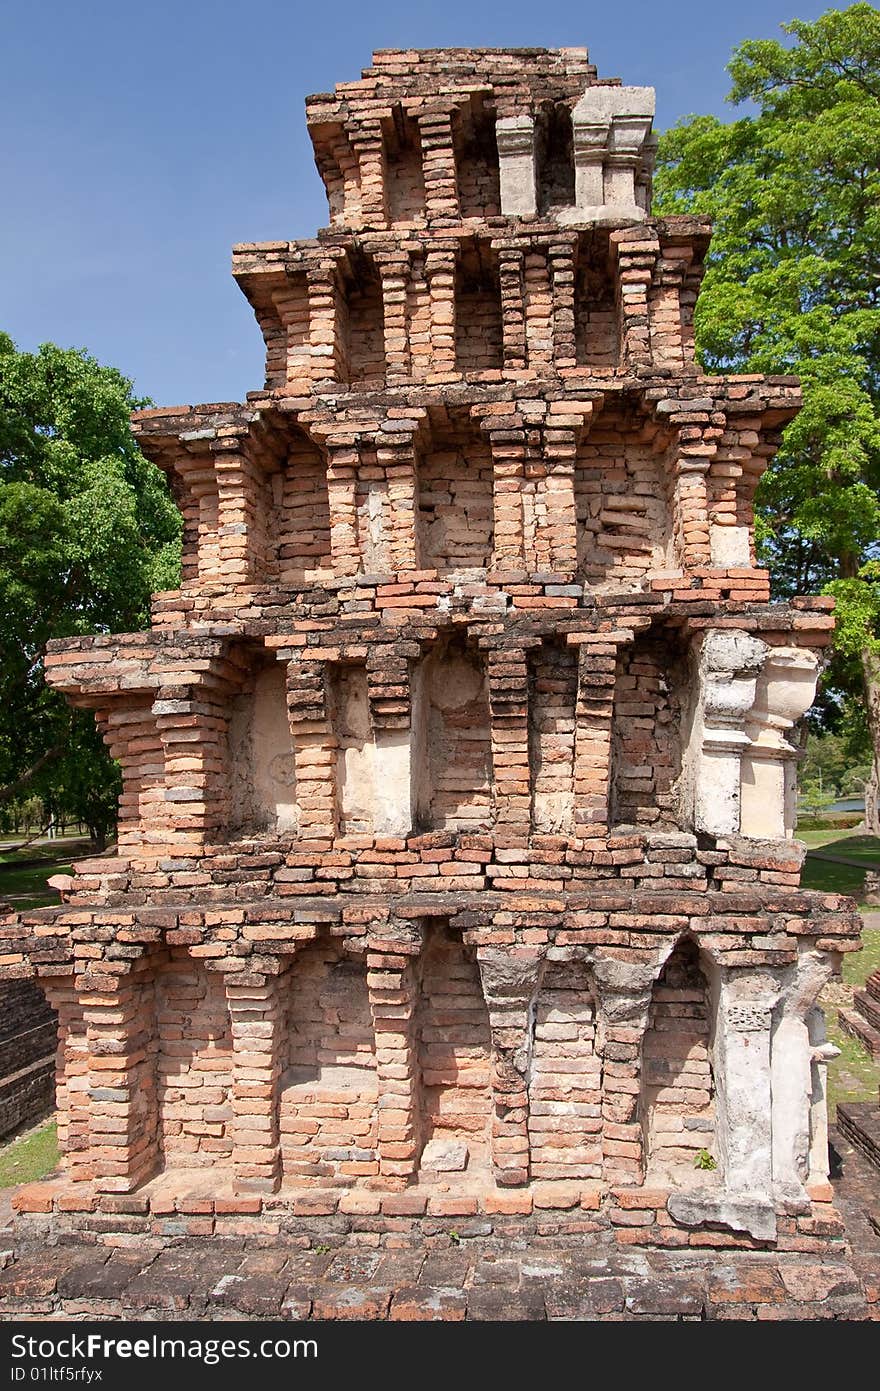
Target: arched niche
<point x="678" y="1085"/>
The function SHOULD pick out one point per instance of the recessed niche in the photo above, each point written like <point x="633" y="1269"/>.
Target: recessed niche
<point x="301" y="522"/>
<point x="678" y="1087"/>
<point x="565" y="1086"/>
<point x="404" y="177"/>
<point x="455" y="497"/>
<point x="452" y="746"/>
<point x="478" y="330"/>
<point x="554" y="158"/>
<point x="193" y="1064"/>
<point x="553" y="678"/>
<point x="454" y="1050"/>
<point x="646" y="739"/>
<point x="595" y="313"/>
<point x="365" y="336"/>
<point x="329" y="1090"/>
<point x="477" y="168"/>
<point x="261" y="761"/>
<point x="623" y="514"/>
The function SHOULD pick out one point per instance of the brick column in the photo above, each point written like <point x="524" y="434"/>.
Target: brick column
<point x="624" y="1000"/>
<point x="326" y="335"/>
<point x="394" y="269"/>
<point x="507" y="441"/>
<point x="392" y="983"/>
<point x="71" y="1077"/>
<point x="257" y="1027"/>
<point x="597" y="662"/>
<point x="342" y="472"/>
<point x="314" y="748"/>
<point x="396" y="456"/>
<point x="192" y="719"/>
<point x="636" y="252"/>
<point x="508" y="682"/>
<point x="369" y="146"/>
<point x="513" y="319"/>
<point x="510" y="981"/>
<point x="556" y="538"/>
<point x="438" y="164"/>
<point x="118" y="1013"/>
<point x="243" y="503"/>
<point x="562" y="255"/>
<point x="440" y="275"/>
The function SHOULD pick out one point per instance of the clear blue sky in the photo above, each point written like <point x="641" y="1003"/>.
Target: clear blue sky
<point x="141" y="140"/>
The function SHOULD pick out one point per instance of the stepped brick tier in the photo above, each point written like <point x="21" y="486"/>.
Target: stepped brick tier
<point x="455" y="877"/>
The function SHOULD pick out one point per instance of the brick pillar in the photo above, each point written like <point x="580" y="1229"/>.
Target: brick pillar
<point x="513" y="318"/>
<point x="508" y="682"/>
<point x="636" y="252"/>
<point x="440" y="275"/>
<point x="71" y="1077"/>
<point x="597" y="662"/>
<point x="314" y="748"/>
<point x="257" y="1026"/>
<point x="507" y="440"/>
<point x="556" y="536"/>
<point x="438" y="164"/>
<point x="693" y="452"/>
<point x="243" y="503"/>
<point x="562" y="281"/>
<point x="392" y="982"/>
<point x="510" y="980"/>
<point x="369" y="146"/>
<point x="394" y="270"/>
<point x="665" y="307"/>
<point x="342" y="473"/>
<point x="396" y="456"/>
<point x="192" y="721"/>
<point x="119" y="1016"/>
<point x="326" y="332"/>
<point x="624" y="1000"/>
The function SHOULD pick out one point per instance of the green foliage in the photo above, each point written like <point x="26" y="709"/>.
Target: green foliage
<point x="704" y="1160"/>
<point x="793" y="286"/>
<point x="87" y="532"/>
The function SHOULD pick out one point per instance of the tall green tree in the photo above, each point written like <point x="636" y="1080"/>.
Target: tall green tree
<point x="793" y="285"/>
<point x="87" y="531"/>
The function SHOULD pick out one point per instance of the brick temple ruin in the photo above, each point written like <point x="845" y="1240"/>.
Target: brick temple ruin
<point x="455" y="875"/>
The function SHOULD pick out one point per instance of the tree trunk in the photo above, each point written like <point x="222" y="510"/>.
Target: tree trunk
<point x="871" y="674"/>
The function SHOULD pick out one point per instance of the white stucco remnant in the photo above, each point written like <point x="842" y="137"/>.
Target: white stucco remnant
<point x="373" y="767"/>
<point x="798" y="1049"/>
<point x="728" y="665"/>
<point x="785" y="691"/>
<point x="613" y="155"/>
<point x="729" y="546"/>
<point x="515" y="136"/>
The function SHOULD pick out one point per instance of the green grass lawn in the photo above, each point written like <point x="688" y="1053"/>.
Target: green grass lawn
<point x="30" y="1157"/>
<point x="842" y="879"/>
<point x="23" y="873"/>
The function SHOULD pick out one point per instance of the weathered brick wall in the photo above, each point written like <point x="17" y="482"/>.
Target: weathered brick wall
<point x="27" y="1045"/>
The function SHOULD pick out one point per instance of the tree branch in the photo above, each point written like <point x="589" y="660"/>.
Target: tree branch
<point x="13" y="788"/>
